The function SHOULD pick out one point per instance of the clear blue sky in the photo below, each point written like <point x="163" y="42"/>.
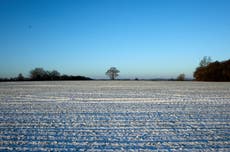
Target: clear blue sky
<point x="142" y="38"/>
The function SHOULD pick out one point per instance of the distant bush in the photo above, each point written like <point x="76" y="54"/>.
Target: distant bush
<point x="214" y="71"/>
<point x="66" y="77"/>
<point x="20" y="77"/>
<point x="181" y="77"/>
<point x="4" y="79"/>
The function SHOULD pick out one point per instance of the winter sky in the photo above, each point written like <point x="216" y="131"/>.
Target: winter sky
<point x="142" y="38"/>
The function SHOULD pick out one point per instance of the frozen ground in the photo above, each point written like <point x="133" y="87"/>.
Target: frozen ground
<point x="114" y="116"/>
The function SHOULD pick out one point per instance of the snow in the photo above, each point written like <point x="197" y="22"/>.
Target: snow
<point x="114" y="116"/>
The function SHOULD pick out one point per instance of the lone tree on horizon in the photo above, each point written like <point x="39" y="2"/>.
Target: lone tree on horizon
<point x="112" y="73"/>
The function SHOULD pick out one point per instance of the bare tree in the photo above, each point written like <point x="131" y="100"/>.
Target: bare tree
<point x="205" y="61"/>
<point x="112" y="73"/>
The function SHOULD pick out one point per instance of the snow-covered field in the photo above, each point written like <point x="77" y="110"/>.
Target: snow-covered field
<point x="114" y="116"/>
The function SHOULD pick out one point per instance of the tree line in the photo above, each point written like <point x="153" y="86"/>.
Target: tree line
<point x="212" y="71"/>
<point x="39" y="74"/>
<point x="206" y="71"/>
